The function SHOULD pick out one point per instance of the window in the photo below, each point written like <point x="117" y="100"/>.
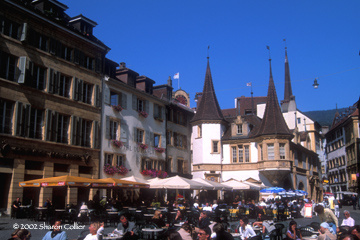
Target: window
<point x="199" y="131"/>
<point x="81" y="130"/>
<point x="86" y="133"/>
<point x="261" y="152"/>
<point x="118" y="99"/>
<point x="108" y="159"/>
<point x="6" y="116"/>
<point x="239" y="128"/>
<point x="87" y="93"/>
<point x="66" y="53"/>
<point x="139" y="135"/>
<point x="37" y="76"/>
<point x="64" y="86"/>
<point x="215" y="147"/>
<point x="298" y="120"/>
<point x="63" y="128"/>
<point x="159" y="112"/>
<point x="169" y="138"/>
<point x="113" y="129"/>
<point x="156" y="140"/>
<point x="270" y="148"/>
<point x="152" y="164"/>
<point x="234" y="156"/>
<point x="120" y="160"/>
<point x="9" y="28"/>
<point x="38" y="40"/>
<point x="180" y="140"/>
<point x="241" y="153"/>
<point x="282" y="150"/>
<point x="8" y="66"/>
<point x="36" y="123"/>
<point x="247" y="156"/>
<point x="180" y="166"/>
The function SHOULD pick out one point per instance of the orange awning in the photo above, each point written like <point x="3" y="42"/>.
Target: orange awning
<point x="60" y="181"/>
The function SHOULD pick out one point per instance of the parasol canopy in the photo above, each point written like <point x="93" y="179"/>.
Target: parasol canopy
<point x="177" y="182"/>
<point x="272" y="190"/>
<point x="115" y="182"/>
<point x="60" y="181"/>
<point x="214" y="185"/>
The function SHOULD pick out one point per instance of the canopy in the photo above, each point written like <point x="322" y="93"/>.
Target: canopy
<point x="346" y="193"/>
<point x="215" y="185"/>
<point x="115" y="182"/>
<point x="272" y="190"/>
<point x="177" y="182"/>
<point x="237" y="185"/>
<point x="61" y="181"/>
<point x="134" y="179"/>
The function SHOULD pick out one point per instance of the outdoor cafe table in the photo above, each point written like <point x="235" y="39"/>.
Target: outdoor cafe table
<point x="151" y="233"/>
<point x="112" y="237"/>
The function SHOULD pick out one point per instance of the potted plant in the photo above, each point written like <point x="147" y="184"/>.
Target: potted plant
<point x="117" y="108"/>
<point x="116" y="143"/>
<point x="159" y="149"/>
<point x="143" y="114"/>
<point x="121" y="170"/>
<point x="143" y="146"/>
<point x="110" y="170"/>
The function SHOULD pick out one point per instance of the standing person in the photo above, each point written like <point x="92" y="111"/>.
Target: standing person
<point x="354" y="201"/>
<point x="348" y="221"/>
<point x="16" y="208"/>
<point x="326" y="215"/>
<point x="326" y="232"/>
<point x="293" y="233"/>
<point x="245" y="230"/>
<point x="55" y="233"/>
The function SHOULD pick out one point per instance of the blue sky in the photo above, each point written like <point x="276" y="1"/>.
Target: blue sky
<point x="162" y="37"/>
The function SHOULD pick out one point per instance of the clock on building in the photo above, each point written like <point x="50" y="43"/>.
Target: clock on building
<point x="181" y="99"/>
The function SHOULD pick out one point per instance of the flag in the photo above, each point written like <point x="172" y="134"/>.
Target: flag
<point x="176" y="76"/>
<point x="248" y="84"/>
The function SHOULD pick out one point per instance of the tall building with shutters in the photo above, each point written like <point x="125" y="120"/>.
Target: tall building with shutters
<point x="50" y="84"/>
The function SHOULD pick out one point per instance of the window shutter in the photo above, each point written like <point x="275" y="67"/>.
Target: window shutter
<point x="152" y="143"/>
<point x="163" y="141"/>
<point x="75" y="89"/>
<point x="73" y="129"/>
<point x="80" y="90"/>
<point x="52" y="46"/>
<point x="97" y="96"/>
<point x="79" y="132"/>
<point x="55" y="126"/>
<point x="51" y="81"/>
<point x="124" y="132"/>
<point x="27" y="120"/>
<point x="162" y="113"/>
<point x="22" y="69"/>
<point x="147" y="137"/>
<point x="48" y="126"/>
<point x="123" y="100"/>
<point x="186" y="167"/>
<point x="19" y="119"/>
<point x="106" y="94"/>
<point x="24" y="32"/>
<point x="156" y="110"/>
<point x="95" y="134"/>
<point x="76" y="56"/>
<point x="134" y="102"/>
<point x="57" y="77"/>
<point x="134" y="134"/>
<point x="146" y="106"/>
<point x="97" y="65"/>
<point x="107" y="127"/>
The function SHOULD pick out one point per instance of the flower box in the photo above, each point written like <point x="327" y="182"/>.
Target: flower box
<point x="111" y="170"/>
<point x="116" y="143"/>
<point x="117" y="108"/>
<point x="143" y="146"/>
<point x="159" y="150"/>
<point x="159" y="119"/>
<point x="143" y="114"/>
<point x="154" y="173"/>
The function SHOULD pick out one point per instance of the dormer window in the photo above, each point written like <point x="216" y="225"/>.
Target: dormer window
<point x="239" y="129"/>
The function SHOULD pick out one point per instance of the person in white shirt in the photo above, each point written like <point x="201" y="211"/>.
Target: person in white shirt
<point x="245" y="230"/>
<point x="348" y="221"/>
<point x="93" y="228"/>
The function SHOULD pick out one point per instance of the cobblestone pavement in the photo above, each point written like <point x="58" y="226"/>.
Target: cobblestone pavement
<point x="7" y="225"/>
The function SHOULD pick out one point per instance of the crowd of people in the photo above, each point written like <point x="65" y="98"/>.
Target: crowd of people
<point x="210" y="225"/>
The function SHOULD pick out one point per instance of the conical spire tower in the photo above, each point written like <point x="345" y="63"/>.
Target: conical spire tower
<point x="288" y="104"/>
<point x="273" y="122"/>
<point x="208" y="109"/>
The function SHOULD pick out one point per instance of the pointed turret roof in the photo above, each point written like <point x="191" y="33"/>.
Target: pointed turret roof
<point x="287" y="91"/>
<point x="273" y="121"/>
<point x="209" y="109"/>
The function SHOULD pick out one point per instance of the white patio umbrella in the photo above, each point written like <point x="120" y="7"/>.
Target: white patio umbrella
<point x="135" y="179"/>
<point x="178" y="182"/>
<point x="237" y="185"/>
<point x="215" y="185"/>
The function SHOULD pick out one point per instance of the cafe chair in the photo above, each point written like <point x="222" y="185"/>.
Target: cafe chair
<point x="315" y="225"/>
<point x="306" y="232"/>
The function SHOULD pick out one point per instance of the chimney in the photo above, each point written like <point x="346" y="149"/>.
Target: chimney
<point x="122" y="65"/>
<point x="169" y="82"/>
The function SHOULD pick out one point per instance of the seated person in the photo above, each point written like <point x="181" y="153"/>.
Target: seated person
<point x="348" y="221"/>
<point x="185" y="232"/>
<point x="55" y="233"/>
<point x="180" y="216"/>
<point x="204" y="220"/>
<point x="326" y="232"/>
<point x="207" y="207"/>
<point x="158" y="219"/>
<point x="93" y="228"/>
<point x="245" y="229"/>
<point x="125" y="227"/>
<point x="220" y="233"/>
<point x="293" y="232"/>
